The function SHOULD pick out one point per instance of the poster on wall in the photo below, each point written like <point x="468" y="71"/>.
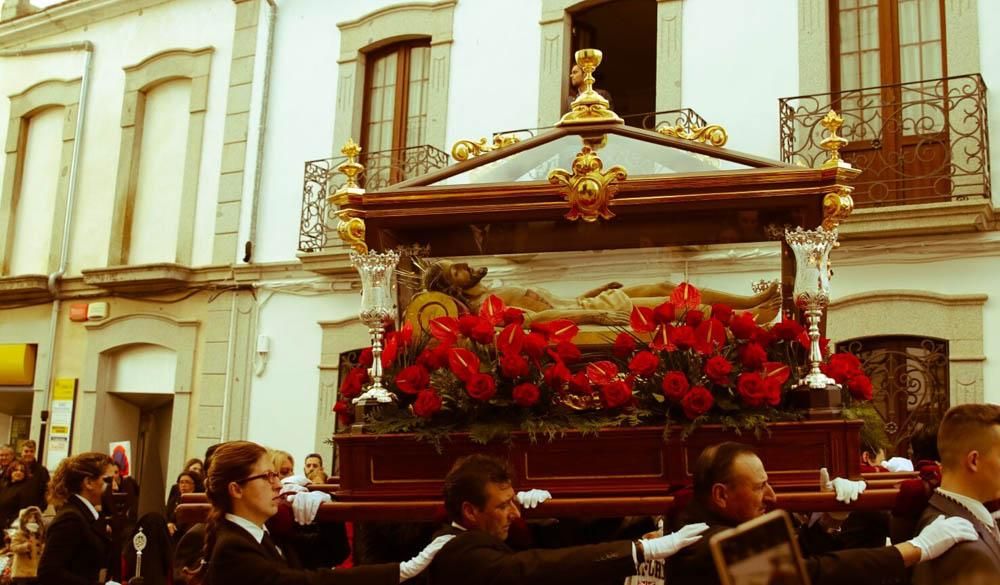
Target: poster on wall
<point x="121" y="453"/>
<point x="60" y="421"/>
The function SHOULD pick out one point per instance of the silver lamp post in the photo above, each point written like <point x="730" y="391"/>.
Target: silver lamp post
<point x="377" y="270"/>
<point x="812" y="292"/>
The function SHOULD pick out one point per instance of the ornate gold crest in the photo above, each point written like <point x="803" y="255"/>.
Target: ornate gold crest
<point x="589" y="189"/>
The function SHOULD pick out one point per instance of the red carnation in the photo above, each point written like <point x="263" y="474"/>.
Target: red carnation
<point x="534" y="345"/>
<point x="722" y="312"/>
<point x="752" y="389"/>
<point x="624" y="345"/>
<point x="366" y="358"/>
<point x="718" y="368"/>
<point x="644" y="363"/>
<point x="694" y="317"/>
<point x="481" y="387"/>
<point x="568" y="352"/>
<point x="512" y="366"/>
<point x="526" y="395"/>
<point x="675" y="385"/>
<point x="427" y="403"/>
<point x="683" y="336"/>
<point x="787" y="330"/>
<point x="743" y="326"/>
<point x="579" y="384"/>
<point x="616" y="394"/>
<point x="697" y="402"/>
<point x="353" y="382"/>
<point x="752" y="356"/>
<point x="860" y="386"/>
<point x="412" y="379"/>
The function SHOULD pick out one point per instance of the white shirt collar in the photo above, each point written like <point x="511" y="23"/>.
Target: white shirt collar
<point x="971" y="504"/>
<point x="90" y="506"/>
<point x="257" y="532"/>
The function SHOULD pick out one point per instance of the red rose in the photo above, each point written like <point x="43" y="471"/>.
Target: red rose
<point x="718" y="368"/>
<point x="512" y="366"/>
<point x="624" y="345"/>
<point x="481" y="387"/>
<point x="526" y="395"/>
<point x="752" y="389"/>
<point x="683" y="337"/>
<point x="412" y="379"/>
<point x="664" y="314"/>
<point x="568" y="352"/>
<point x="752" y="356"/>
<point x="773" y="391"/>
<point x="743" y="326"/>
<point x="435" y="357"/>
<point x="763" y="336"/>
<point x="616" y="394"/>
<point x="787" y="330"/>
<point x="697" y="402"/>
<point x="860" y="386"/>
<point x="534" y="345"/>
<point x="390" y="349"/>
<point x="365" y="358"/>
<point x="512" y="316"/>
<point x="579" y="384"/>
<point x="644" y="363"/>
<point x="345" y="415"/>
<point x="675" y="385"/>
<point x="353" y="382"/>
<point x="842" y="366"/>
<point x="722" y="312"/>
<point x="556" y="376"/>
<point x="476" y="328"/>
<point x="694" y="317"/>
<point x="427" y="403"/>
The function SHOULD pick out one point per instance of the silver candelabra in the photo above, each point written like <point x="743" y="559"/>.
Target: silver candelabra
<point x="812" y="291"/>
<point x="377" y="270"/>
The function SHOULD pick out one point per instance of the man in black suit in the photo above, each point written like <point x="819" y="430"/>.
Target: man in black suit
<point x="480" y="501"/>
<point x="731" y="487"/>
<point x="39" y="476"/>
<point x="969" y="447"/>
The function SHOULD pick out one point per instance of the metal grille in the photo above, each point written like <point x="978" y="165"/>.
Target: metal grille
<point x="910" y="379"/>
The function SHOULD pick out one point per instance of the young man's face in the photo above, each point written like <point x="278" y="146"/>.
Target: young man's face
<point x="312" y="464"/>
<point x="28" y="453"/>
<point x="497" y="514"/>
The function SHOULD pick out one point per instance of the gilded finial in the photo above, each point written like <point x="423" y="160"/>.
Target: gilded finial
<point x="834" y="142"/>
<point x="350" y="228"/>
<point x="589" y="106"/>
<point x="351" y="168"/>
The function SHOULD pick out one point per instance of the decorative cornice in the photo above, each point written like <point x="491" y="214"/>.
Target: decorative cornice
<point x="919" y="296"/>
<point x="923" y="219"/>
<point x="401" y="7"/>
<point x="66" y="16"/>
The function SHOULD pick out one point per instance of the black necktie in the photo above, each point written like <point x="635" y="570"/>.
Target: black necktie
<point x="272" y="548"/>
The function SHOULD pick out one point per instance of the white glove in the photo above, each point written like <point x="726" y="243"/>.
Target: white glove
<point x="897" y="464"/>
<point x="662" y="547"/>
<point x="112" y="583"/>
<point x="847" y="490"/>
<point x="294" y="484"/>
<point x="531" y="498"/>
<point x="306" y="504"/>
<point x="942" y="534"/>
<point x="996" y="516"/>
<point x="416" y="565"/>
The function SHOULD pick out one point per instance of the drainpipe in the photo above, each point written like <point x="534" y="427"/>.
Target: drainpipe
<point x="53" y="282"/>
<point x="261" y="128"/>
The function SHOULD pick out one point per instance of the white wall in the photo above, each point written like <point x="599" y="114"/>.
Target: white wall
<point x="157" y="209"/>
<point x="144" y="368"/>
<point x="989" y="64"/>
<point x="121" y="42"/>
<point x="37" y="198"/>
<point x="738" y="59"/>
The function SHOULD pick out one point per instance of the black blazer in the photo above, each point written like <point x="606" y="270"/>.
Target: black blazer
<point x="979" y="559"/>
<point x="477" y="557"/>
<point x="862" y="566"/>
<point x="14" y="497"/>
<point x="238" y="558"/>
<point x="76" y="547"/>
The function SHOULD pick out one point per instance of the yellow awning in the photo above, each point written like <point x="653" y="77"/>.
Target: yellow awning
<point x="17" y="364"/>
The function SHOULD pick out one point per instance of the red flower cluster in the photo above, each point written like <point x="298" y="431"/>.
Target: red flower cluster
<point x="845" y="369"/>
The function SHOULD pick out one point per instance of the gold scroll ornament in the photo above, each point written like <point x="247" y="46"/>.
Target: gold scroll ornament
<point x="837" y="205"/>
<point x="465" y="149"/>
<point x="350" y="228"/>
<point x="713" y="134"/>
<point x="589" y="189"/>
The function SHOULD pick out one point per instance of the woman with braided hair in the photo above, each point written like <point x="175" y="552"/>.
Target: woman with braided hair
<point x="76" y="548"/>
<point x="243" y="489"/>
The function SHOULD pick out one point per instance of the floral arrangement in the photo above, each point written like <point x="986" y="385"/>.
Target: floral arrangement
<point x="490" y="373"/>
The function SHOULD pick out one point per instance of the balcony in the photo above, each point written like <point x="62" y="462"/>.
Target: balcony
<point x="923" y="148"/>
<point x="382" y="168"/>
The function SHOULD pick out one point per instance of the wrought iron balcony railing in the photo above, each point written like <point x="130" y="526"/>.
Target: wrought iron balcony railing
<point x="683" y="117"/>
<point x="382" y="168"/>
<point x="919" y="142"/>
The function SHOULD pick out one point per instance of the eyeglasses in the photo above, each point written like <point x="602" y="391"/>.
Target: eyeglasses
<point x="269" y="476"/>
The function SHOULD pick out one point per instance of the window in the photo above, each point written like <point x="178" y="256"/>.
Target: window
<point x="910" y="379"/>
<point x="395" y="111"/>
<point x="888" y="65"/>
